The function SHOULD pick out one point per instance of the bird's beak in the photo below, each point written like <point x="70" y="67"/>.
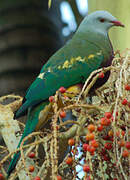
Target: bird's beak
<point x="117" y="23"/>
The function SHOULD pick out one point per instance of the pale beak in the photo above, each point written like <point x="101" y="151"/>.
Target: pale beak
<point x="117" y="23"/>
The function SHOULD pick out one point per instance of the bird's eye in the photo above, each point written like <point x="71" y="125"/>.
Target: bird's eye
<point x="102" y="20"/>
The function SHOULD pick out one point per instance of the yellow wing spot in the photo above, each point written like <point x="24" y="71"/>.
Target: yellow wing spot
<point x="91" y="56"/>
<point x="59" y="67"/>
<point x="72" y="60"/>
<point x="78" y="58"/>
<point x="86" y="59"/>
<point x="66" y="64"/>
<point x="69" y="63"/>
<point x="82" y="59"/>
<point x="41" y="75"/>
<point x="99" y="53"/>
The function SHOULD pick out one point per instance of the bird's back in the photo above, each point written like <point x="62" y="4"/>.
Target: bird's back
<point x="62" y="70"/>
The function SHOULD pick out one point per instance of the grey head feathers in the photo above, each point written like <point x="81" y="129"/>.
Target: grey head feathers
<point x="99" y="21"/>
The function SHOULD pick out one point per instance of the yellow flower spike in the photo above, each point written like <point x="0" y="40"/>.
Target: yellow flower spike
<point x="73" y="91"/>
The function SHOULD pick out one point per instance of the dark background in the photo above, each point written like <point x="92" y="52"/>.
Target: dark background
<point x="29" y="34"/>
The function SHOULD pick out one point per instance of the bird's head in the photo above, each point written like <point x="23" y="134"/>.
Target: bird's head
<point x="100" y="21"/>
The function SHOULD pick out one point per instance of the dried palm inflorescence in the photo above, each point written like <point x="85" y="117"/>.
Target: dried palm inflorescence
<point x="98" y="138"/>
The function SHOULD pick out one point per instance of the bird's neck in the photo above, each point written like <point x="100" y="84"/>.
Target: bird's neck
<point x="100" y="39"/>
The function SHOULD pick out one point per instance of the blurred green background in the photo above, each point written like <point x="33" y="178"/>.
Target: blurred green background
<point x="30" y="33"/>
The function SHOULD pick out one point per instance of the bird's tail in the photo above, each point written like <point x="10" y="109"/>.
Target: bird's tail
<point x="32" y="121"/>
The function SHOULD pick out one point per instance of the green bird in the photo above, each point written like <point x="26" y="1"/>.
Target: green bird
<point x="88" y="50"/>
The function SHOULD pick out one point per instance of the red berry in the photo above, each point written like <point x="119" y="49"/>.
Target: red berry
<point x="106" y="158"/>
<point x="94" y="143"/>
<point x="117" y="133"/>
<point x="72" y="151"/>
<point x="62" y="114"/>
<point x="88" y="178"/>
<point x="108" y="146"/>
<point x="1" y="176"/>
<point x="103" y="121"/>
<point x="71" y="142"/>
<point x="86" y="168"/>
<point x="31" y="155"/>
<point x="116" y="113"/>
<point x="59" y="178"/>
<point x="92" y="153"/>
<point x="112" y="118"/>
<point x="125" y="153"/>
<point x="31" y="168"/>
<point x="122" y="133"/>
<point x="91" y="127"/>
<point x="62" y="90"/>
<point x="100" y="128"/>
<point x="108" y="121"/>
<point x="103" y="152"/>
<point x="106" y="137"/>
<point x="85" y="146"/>
<point x="110" y="133"/>
<point x="90" y="149"/>
<point x="121" y="143"/>
<point x="108" y="115"/>
<point x="101" y="75"/>
<point x="69" y="161"/>
<point x="57" y="127"/>
<point x="127" y="87"/>
<point x="124" y="102"/>
<point x="89" y="136"/>
<point x="51" y="98"/>
<point x="127" y="145"/>
<point x="37" y="178"/>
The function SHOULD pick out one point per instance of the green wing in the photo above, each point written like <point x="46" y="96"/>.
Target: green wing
<point x="70" y="72"/>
